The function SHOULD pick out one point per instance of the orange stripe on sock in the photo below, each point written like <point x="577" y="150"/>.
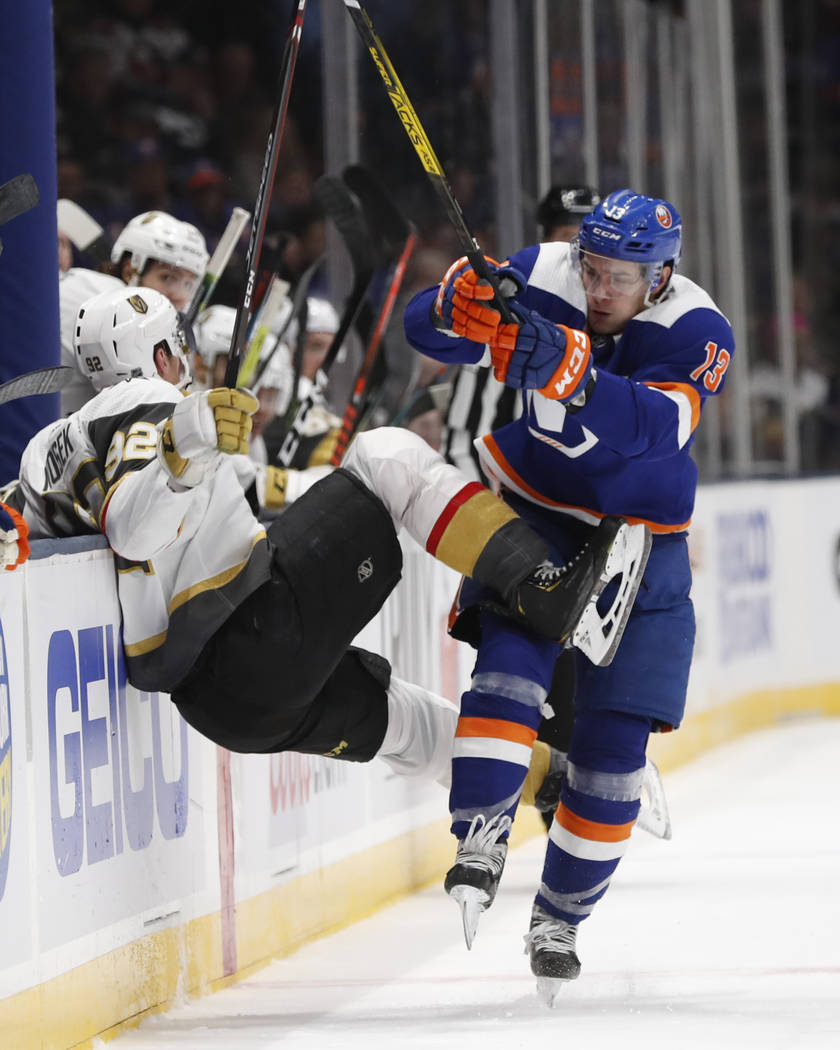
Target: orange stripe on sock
<point x="467" y="492"/>
<point x="498" y="728"/>
<point x="591" y="829"/>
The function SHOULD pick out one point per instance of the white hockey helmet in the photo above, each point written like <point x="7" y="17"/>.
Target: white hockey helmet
<point x="321" y="316"/>
<point x="213" y="330"/>
<point x="156" y="236"/>
<point x="118" y="331"/>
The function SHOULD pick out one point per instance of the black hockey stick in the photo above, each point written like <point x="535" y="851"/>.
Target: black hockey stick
<point x="387" y="224"/>
<point x="17" y="196"/>
<point x="388" y="227"/>
<point x="355" y="405"/>
<point x="423" y="147"/>
<point x="344" y="210"/>
<point x="395" y="233"/>
<point x="245" y="309"/>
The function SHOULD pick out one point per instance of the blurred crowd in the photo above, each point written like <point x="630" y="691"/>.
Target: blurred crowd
<point x="167" y="106"/>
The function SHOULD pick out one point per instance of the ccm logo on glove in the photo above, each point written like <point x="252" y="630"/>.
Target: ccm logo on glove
<point x="536" y="354"/>
<point x="573" y="367"/>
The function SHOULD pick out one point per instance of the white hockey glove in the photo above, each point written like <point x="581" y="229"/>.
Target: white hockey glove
<point x="277" y="487"/>
<point x="14" y="538"/>
<point x="201" y="428"/>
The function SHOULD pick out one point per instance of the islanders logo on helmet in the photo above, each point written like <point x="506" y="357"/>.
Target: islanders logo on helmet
<point x="664" y="217"/>
<point x="629" y="225"/>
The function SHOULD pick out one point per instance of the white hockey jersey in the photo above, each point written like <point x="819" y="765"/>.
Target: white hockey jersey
<point x="184" y="560"/>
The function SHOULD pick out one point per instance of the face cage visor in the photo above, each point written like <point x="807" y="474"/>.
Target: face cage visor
<point x="599" y="276"/>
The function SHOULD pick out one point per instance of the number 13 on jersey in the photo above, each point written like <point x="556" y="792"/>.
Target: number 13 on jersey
<point x="715" y="366"/>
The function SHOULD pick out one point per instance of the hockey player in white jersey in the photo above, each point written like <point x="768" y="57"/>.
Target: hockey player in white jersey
<point x="154" y="250"/>
<point x="249" y="629"/>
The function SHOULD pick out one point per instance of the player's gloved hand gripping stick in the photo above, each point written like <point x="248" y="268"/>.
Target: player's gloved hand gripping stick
<point x="428" y="158"/>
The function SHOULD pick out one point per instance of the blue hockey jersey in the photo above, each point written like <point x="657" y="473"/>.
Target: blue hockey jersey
<point x="627" y="451"/>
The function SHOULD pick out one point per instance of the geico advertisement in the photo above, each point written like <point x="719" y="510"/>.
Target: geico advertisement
<point x="296" y="807"/>
<point x="766" y="588"/>
<point x="16" y="892"/>
<point x="113" y="766"/>
<point x="746" y="582"/>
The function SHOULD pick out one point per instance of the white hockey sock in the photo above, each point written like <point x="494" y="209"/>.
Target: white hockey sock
<point x="421" y="728"/>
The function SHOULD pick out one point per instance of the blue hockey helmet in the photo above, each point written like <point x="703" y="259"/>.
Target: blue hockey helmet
<point x="628" y="225"/>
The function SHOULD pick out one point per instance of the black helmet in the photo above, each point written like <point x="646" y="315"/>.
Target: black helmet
<point x="565" y="205"/>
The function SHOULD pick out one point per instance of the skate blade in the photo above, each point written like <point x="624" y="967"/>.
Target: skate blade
<point x="472" y="902"/>
<point x="653" y="816"/>
<point x="548" y="989"/>
<point x="598" y="636"/>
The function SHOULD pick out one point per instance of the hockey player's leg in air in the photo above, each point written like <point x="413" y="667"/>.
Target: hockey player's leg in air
<point x="467" y="527"/>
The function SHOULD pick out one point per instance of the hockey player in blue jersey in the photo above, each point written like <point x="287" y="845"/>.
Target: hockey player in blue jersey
<point x="616" y="354"/>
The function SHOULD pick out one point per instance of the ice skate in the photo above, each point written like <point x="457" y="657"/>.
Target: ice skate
<point x="653" y="816"/>
<point x="474" y="877"/>
<point x="598" y="634"/>
<point x="559" y="601"/>
<point x="551" y="944"/>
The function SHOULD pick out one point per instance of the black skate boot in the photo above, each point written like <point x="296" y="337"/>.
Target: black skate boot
<point x="560" y="601"/>
<point x="547" y="799"/>
<point x="473" y="879"/>
<point x="551" y="945"/>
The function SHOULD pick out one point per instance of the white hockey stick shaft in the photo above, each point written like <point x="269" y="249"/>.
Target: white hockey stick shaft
<point x="268" y="309"/>
<point x="218" y="262"/>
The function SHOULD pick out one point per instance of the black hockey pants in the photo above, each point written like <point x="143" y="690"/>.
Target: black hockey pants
<point x="280" y="674"/>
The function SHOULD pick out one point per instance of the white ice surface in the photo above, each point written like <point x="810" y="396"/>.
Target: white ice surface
<point x="725" y="938"/>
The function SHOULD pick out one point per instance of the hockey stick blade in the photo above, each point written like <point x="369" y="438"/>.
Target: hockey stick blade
<point x="337" y="201"/>
<point x="387" y="223"/>
<point x="356" y="405"/>
<point x="218" y="262"/>
<point x="73" y="221"/>
<point x="17" y="196"/>
<point x="343" y="209"/>
<point x="41" y="381"/>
